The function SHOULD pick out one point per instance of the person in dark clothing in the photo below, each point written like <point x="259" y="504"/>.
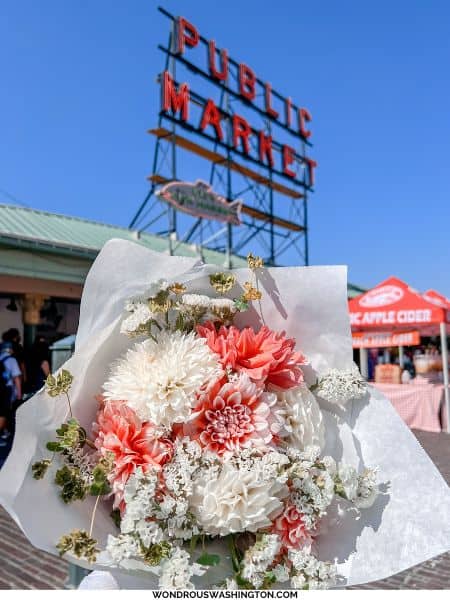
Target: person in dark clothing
<point x="18" y="352"/>
<point x="6" y="420"/>
<point x="38" y="365"/>
<point x="10" y="396"/>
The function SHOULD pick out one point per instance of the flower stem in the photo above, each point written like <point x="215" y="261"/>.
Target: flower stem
<point x="70" y="406"/>
<point x="93" y="516"/>
<point x="259" y="301"/>
<point x="234" y="557"/>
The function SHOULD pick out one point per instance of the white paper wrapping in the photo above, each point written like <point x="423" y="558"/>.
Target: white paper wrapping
<point x="409" y="522"/>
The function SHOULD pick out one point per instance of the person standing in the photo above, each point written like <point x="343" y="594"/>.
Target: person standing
<point x="38" y="365"/>
<point x="10" y="395"/>
<point x="18" y="352"/>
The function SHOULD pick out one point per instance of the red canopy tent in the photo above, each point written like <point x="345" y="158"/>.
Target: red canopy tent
<point x="437" y="299"/>
<point x="394" y="306"/>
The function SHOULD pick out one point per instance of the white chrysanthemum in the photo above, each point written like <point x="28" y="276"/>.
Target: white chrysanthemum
<point x="236" y="500"/>
<point x="158" y="380"/>
<point x="338" y="387"/>
<point x="303" y="422"/>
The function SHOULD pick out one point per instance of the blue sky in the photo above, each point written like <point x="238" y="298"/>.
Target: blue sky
<point x="79" y="93"/>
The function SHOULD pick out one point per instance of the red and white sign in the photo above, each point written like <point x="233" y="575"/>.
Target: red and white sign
<point x="393" y="305"/>
<point x="382" y="296"/>
<point x="199" y="200"/>
<point x="386" y="339"/>
<point x="178" y="102"/>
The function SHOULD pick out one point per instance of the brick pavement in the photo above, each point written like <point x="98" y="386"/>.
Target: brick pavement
<point x="24" y="567"/>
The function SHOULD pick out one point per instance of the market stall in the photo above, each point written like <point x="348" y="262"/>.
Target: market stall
<point x="394" y="315"/>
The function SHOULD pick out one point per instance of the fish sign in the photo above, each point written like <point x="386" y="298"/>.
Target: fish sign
<point x="199" y="200"/>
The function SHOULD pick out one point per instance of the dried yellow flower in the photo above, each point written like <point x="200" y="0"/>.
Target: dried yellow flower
<point x="251" y="293"/>
<point x="177" y="288"/>
<point x="254" y="262"/>
<point x="160" y="303"/>
<point x="222" y="282"/>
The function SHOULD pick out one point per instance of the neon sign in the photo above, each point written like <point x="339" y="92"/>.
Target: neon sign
<point x="229" y="129"/>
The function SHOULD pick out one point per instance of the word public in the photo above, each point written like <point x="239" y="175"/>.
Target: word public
<point x="176" y="99"/>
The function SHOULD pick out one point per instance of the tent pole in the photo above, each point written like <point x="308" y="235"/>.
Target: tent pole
<point x="400" y="356"/>
<point x="444" y="352"/>
<point x="364" y="362"/>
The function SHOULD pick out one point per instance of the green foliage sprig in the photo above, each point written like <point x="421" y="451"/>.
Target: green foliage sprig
<point x="80" y="544"/>
<point x="70" y="435"/>
<point x="59" y="384"/>
<point x="73" y="485"/>
<point x="40" y="468"/>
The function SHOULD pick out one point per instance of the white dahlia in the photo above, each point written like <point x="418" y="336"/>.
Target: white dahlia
<point x="159" y="379"/>
<point x="303" y="422"/>
<point x="235" y="500"/>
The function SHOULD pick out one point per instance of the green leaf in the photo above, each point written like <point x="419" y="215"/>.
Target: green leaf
<point x="115" y="516"/>
<point x="53" y="447"/>
<point x="240" y="304"/>
<point x="39" y="469"/>
<point x="208" y="560"/>
<point x="99" y="489"/>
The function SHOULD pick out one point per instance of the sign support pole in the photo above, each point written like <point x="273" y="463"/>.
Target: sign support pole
<point x="364" y="362"/>
<point x="444" y="352"/>
<point x="401" y="358"/>
<point x="172" y="211"/>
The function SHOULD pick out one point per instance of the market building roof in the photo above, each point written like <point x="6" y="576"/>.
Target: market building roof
<point x="57" y="247"/>
<point x="52" y="232"/>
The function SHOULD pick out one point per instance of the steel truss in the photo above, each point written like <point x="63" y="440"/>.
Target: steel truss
<point x="274" y="216"/>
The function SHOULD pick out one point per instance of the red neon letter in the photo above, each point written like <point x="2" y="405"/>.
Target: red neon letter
<point x="288" y="111"/>
<point x="304" y="116"/>
<point x="211" y="116"/>
<point x="268" y="94"/>
<point x="312" y="164"/>
<point x="288" y="159"/>
<point x="265" y="148"/>
<point x="247" y="82"/>
<point x="186" y="34"/>
<point x="241" y="130"/>
<point x="223" y="74"/>
<point x="173" y="100"/>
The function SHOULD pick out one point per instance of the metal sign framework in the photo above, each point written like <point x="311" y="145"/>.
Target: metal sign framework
<point x="274" y="210"/>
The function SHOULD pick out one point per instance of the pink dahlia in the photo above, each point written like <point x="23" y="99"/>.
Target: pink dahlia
<point x="291" y="528"/>
<point x="133" y="443"/>
<point x="232" y="415"/>
<point x="266" y="357"/>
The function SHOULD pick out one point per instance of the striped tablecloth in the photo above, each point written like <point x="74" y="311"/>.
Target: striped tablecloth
<point x="421" y="406"/>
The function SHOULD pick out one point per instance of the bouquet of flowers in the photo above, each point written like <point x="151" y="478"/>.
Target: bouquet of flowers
<point x="205" y="443"/>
